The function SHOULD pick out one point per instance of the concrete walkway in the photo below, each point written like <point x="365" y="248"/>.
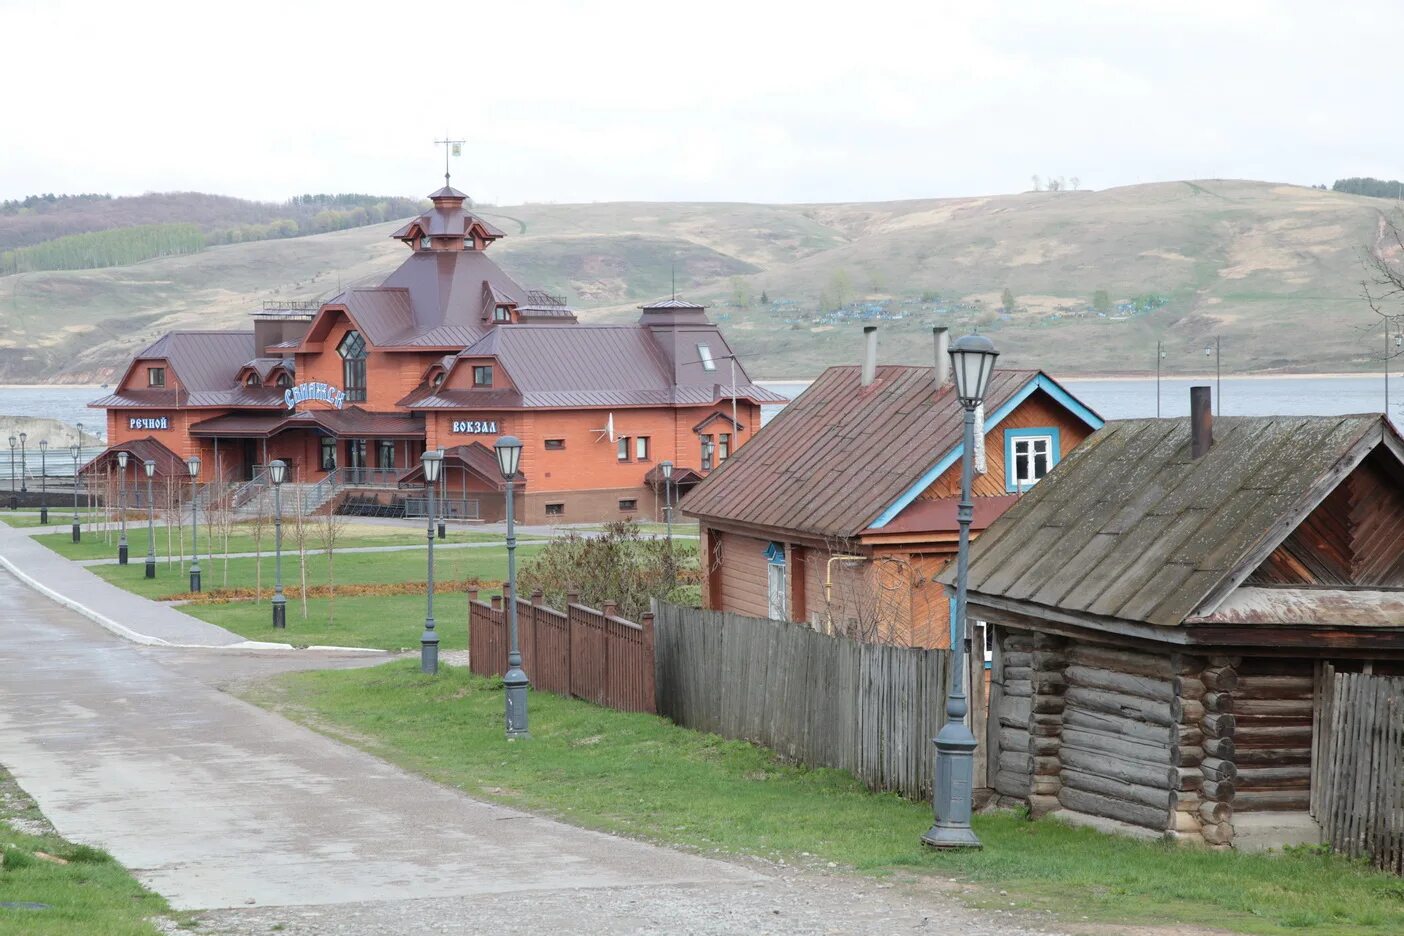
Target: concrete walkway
<point x="138" y="619"/>
<point x="218" y="804"/>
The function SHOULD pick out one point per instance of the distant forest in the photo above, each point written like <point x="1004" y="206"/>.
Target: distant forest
<point x="1377" y="188"/>
<point x="61" y="232"/>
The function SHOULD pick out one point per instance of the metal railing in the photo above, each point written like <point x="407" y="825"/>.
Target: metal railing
<point x="460" y="508"/>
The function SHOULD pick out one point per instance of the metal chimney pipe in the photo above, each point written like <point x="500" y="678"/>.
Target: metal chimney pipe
<point x="869" y="354"/>
<point x="1201" y="421"/>
<point x="943" y="355"/>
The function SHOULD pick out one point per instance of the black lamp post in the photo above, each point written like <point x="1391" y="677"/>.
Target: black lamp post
<point x="278" y="473"/>
<point x="74" y="450"/>
<point x="972" y="361"/>
<point x="14" y="498"/>
<point x="24" y="465"/>
<point x="443" y="498"/>
<point x="509" y="457"/>
<point x="429" y="643"/>
<point x="43" y="482"/>
<point x="192" y="465"/>
<point x="122" y="458"/>
<point x="150" y="466"/>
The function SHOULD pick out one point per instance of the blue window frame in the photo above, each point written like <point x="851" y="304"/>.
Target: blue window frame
<point x="778" y="606"/>
<point x="1029" y="454"/>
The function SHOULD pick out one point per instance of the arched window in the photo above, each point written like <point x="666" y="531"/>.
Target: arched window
<point x="353" y="366"/>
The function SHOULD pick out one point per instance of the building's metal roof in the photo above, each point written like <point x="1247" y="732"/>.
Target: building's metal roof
<point x="203" y="360"/>
<point x="838" y="455"/>
<point x="353" y="421"/>
<point x="1130" y="527"/>
<point x="1309" y="607"/>
<point x="474" y="456"/>
<point x="671" y="303"/>
<point x="939" y="515"/>
<point x="168" y="463"/>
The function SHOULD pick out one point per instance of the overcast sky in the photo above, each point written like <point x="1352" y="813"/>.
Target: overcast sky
<point x="720" y="101"/>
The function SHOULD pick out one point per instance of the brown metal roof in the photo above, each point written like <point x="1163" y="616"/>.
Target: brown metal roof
<point x="203" y="360"/>
<point x="588" y="366"/>
<point x="353" y="422"/>
<point x="475" y="457"/>
<point x="1129" y="526"/>
<point x="938" y="515"/>
<point x="838" y="455"/>
<point x="168" y="463"/>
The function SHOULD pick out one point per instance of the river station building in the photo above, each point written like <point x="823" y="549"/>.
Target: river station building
<point x="448" y="352"/>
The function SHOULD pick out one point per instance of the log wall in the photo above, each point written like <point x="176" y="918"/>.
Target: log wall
<point x="1273" y="707"/>
<point x="1011" y="708"/>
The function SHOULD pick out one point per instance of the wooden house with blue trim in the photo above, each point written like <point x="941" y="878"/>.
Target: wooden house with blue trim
<point x="842" y="510"/>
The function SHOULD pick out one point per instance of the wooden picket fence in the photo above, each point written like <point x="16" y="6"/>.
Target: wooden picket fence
<point x="823" y="700"/>
<point x="1358" y="765"/>
<point x="582" y="652"/>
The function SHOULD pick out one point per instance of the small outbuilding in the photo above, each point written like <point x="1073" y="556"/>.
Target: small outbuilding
<point x="1165" y="606"/>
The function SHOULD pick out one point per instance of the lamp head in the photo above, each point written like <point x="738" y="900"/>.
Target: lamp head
<point x="192" y="465"/>
<point x="121" y="459"/>
<point x="667" y="468"/>
<point x="509" y="456"/>
<point x="13" y="442"/>
<point x="43" y="445"/>
<point x="74" y="450"/>
<point x="23" y="437"/>
<point x="277" y="471"/>
<point x="972" y="363"/>
<point x="433" y="465"/>
<point x="150" y="466"/>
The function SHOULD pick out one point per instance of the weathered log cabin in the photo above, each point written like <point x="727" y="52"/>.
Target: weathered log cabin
<point x="1164" y="605"/>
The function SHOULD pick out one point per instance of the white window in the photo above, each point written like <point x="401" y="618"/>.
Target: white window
<point x="704" y="354"/>
<point x="775" y="566"/>
<point x="641" y="448"/>
<point x="1033" y="456"/>
<point x="724" y="446"/>
<point x="623" y="448"/>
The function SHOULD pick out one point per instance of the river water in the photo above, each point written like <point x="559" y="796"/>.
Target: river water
<point x="1115" y="398"/>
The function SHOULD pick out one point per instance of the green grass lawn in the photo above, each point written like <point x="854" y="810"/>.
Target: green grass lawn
<point x="91" y="893"/>
<point x="97" y="545"/>
<point x="58" y="519"/>
<point x="384" y="622"/>
<point x="641" y="776"/>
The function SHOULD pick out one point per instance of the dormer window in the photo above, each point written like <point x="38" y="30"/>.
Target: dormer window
<point x="424" y="243"/>
<point x="502" y="313"/>
<point x="437" y="380"/>
<point x="704" y="355"/>
<point x="156" y="377"/>
<point x="482" y="375"/>
<point x="284" y="380"/>
<point x="253" y="381"/>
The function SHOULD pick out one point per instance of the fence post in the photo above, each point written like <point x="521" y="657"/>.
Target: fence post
<point x="472" y="594"/>
<point x="647" y="701"/>
<point x="609" y="608"/>
<point x="497" y="602"/>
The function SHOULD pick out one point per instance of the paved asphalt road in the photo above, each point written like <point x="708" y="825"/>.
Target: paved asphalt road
<point x="226" y="808"/>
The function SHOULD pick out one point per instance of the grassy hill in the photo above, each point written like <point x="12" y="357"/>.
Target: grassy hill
<point x="1272" y="270"/>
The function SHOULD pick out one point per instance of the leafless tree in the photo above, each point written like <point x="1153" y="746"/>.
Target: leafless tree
<point x="1383" y="286"/>
<point x="301" y="529"/>
<point x="330" y="525"/>
<point x="258" y="526"/>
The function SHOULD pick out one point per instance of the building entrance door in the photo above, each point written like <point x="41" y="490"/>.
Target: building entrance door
<point x="250" y="459"/>
<point x="357" y="461"/>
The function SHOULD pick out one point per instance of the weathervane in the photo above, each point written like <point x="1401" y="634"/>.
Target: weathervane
<point x="450" y="146"/>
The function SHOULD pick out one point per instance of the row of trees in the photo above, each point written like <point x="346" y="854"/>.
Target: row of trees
<point x="104" y="248"/>
<point x="328" y="219"/>
<point x="48" y="202"/>
<point x="1364" y="185"/>
<point x="1056" y="184"/>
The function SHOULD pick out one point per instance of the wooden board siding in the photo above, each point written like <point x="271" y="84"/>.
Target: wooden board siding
<point x="1037" y="412"/>
<point x="1272" y="710"/>
<point x="1351" y="538"/>
<point x="744" y="579"/>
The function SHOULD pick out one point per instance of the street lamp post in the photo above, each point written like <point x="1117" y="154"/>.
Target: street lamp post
<point x="14" y="498"/>
<point x="429" y="642"/>
<point x="972" y="361"/>
<point x="278" y="473"/>
<point x="667" y="468"/>
<point x="74" y="450"/>
<point x="509" y="456"/>
<point x="150" y="467"/>
<point x="43" y="482"/>
<point x="192" y="465"/>
<point x="122" y="458"/>
<point x="443" y="498"/>
<point x="24" y="465"/>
